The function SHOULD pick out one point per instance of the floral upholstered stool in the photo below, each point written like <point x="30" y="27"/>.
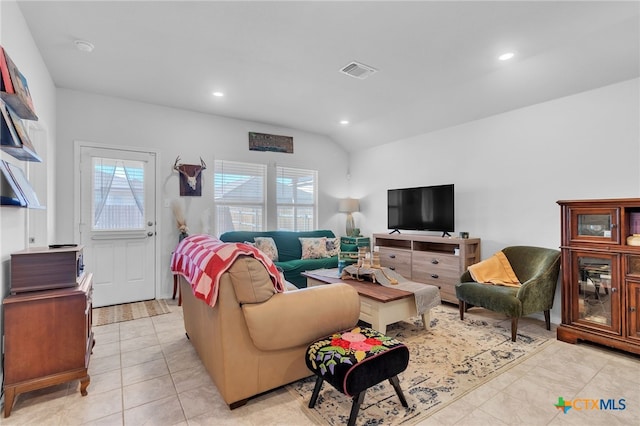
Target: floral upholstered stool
<point x="352" y="361"/>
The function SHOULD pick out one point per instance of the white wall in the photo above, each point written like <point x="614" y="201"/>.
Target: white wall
<point x="510" y="169"/>
<point x="172" y="132"/>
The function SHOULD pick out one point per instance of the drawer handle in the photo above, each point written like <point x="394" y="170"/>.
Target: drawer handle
<point x="392" y="256"/>
<point x="435" y="261"/>
<point x="434" y="276"/>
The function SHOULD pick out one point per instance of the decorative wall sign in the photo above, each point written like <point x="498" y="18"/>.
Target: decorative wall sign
<point x="190" y="177"/>
<point x="274" y="143"/>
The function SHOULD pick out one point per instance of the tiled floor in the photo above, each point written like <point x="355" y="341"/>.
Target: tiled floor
<point x="146" y="372"/>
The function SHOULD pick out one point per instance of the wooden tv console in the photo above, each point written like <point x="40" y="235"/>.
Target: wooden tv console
<point x="429" y="259"/>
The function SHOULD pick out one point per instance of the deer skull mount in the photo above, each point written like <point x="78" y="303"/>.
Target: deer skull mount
<point x="190" y="177"/>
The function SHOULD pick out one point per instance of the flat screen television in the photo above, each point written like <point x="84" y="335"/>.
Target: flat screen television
<point x="425" y="208"/>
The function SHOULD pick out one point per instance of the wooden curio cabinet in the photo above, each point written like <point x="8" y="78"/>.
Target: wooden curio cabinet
<point x="601" y="272"/>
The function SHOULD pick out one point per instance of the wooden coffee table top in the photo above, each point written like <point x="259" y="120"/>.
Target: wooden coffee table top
<point x="364" y="288"/>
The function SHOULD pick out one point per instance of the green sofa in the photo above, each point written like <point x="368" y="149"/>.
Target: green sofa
<point x="289" y="251"/>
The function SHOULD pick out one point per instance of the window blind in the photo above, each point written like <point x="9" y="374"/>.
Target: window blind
<point x="239" y="196"/>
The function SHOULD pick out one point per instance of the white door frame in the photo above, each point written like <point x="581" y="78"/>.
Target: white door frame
<point x="76" y="199"/>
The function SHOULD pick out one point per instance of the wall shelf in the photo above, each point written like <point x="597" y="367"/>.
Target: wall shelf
<point x="15" y="189"/>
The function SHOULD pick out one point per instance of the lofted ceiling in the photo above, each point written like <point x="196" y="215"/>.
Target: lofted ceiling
<point x="279" y="62"/>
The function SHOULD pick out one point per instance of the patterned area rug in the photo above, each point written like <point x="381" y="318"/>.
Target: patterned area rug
<point x="446" y="362"/>
<point x="129" y="311"/>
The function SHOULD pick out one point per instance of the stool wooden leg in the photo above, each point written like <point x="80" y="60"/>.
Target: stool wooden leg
<point x="396" y="385"/>
<point x="357" y="402"/>
<point x="316" y="392"/>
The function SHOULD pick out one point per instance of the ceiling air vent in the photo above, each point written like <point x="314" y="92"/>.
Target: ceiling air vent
<point x="358" y="70"/>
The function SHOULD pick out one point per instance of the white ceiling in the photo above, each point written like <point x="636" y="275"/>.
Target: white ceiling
<point x="278" y="62"/>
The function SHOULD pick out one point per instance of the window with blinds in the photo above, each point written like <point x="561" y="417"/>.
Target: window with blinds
<point x="296" y="191"/>
<point x="239" y="196"/>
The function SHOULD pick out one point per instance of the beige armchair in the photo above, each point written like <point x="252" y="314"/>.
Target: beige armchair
<point x="254" y="339"/>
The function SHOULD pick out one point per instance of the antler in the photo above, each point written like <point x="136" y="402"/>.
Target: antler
<point x="203" y="165"/>
<point x="176" y="166"/>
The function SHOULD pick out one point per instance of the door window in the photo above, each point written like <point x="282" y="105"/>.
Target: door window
<point x="118" y="194"/>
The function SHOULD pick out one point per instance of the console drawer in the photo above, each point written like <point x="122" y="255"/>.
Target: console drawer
<point x="429" y="267"/>
<point x="397" y="260"/>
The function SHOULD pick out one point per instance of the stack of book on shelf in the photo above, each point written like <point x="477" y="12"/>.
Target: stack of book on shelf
<point x="15" y="90"/>
<point x="15" y="105"/>
<point x="15" y="189"/>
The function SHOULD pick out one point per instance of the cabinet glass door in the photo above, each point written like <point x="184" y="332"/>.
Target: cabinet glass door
<point x="596" y="291"/>
<point x="598" y="225"/>
<point x="632" y="272"/>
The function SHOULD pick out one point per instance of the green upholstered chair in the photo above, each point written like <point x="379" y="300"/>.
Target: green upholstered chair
<point x="537" y="269"/>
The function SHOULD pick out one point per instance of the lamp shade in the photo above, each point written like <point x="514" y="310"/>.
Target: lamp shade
<point x="349" y="205"/>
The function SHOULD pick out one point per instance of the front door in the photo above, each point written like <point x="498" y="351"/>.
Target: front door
<point x="118" y="223"/>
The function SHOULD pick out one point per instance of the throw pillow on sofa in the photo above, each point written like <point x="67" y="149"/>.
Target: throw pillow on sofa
<point x="268" y="246"/>
<point x="333" y="247"/>
<point x="314" y="248"/>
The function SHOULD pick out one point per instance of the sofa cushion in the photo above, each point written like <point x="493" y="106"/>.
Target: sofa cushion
<point x="293" y="268"/>
<point x="495" y="298"/>
<point x="251" y="281"/>
<point x="296" y="318"/>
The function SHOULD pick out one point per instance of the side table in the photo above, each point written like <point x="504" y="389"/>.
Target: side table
<point x="176" y="288"/>
<point x="349" y="248"/>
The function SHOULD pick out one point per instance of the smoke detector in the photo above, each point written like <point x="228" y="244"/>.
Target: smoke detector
<point x="84" y="46"/>
<point x="358" y="70"/>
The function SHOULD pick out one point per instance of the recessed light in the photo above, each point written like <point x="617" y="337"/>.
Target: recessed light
<point x="84" y="46"/>
<point x="218" y="94"/>
<point x="506" y="56"/>
<point x="344" y="122"/>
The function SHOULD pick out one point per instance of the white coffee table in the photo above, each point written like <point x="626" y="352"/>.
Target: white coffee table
<point x="379" y="305"/>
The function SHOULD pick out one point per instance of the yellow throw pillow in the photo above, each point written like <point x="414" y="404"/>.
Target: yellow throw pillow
<point x="495" y="270"/>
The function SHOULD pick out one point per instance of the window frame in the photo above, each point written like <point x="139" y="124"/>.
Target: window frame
<point x="270" y="204"/>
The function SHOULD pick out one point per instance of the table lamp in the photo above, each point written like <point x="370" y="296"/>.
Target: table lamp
<point x="348" y="206"/>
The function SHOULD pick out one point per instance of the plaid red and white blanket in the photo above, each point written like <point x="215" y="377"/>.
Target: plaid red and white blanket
<point x="202" y="259"/>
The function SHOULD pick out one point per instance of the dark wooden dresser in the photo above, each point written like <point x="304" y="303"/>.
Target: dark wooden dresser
<point x="48" y="339"/>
